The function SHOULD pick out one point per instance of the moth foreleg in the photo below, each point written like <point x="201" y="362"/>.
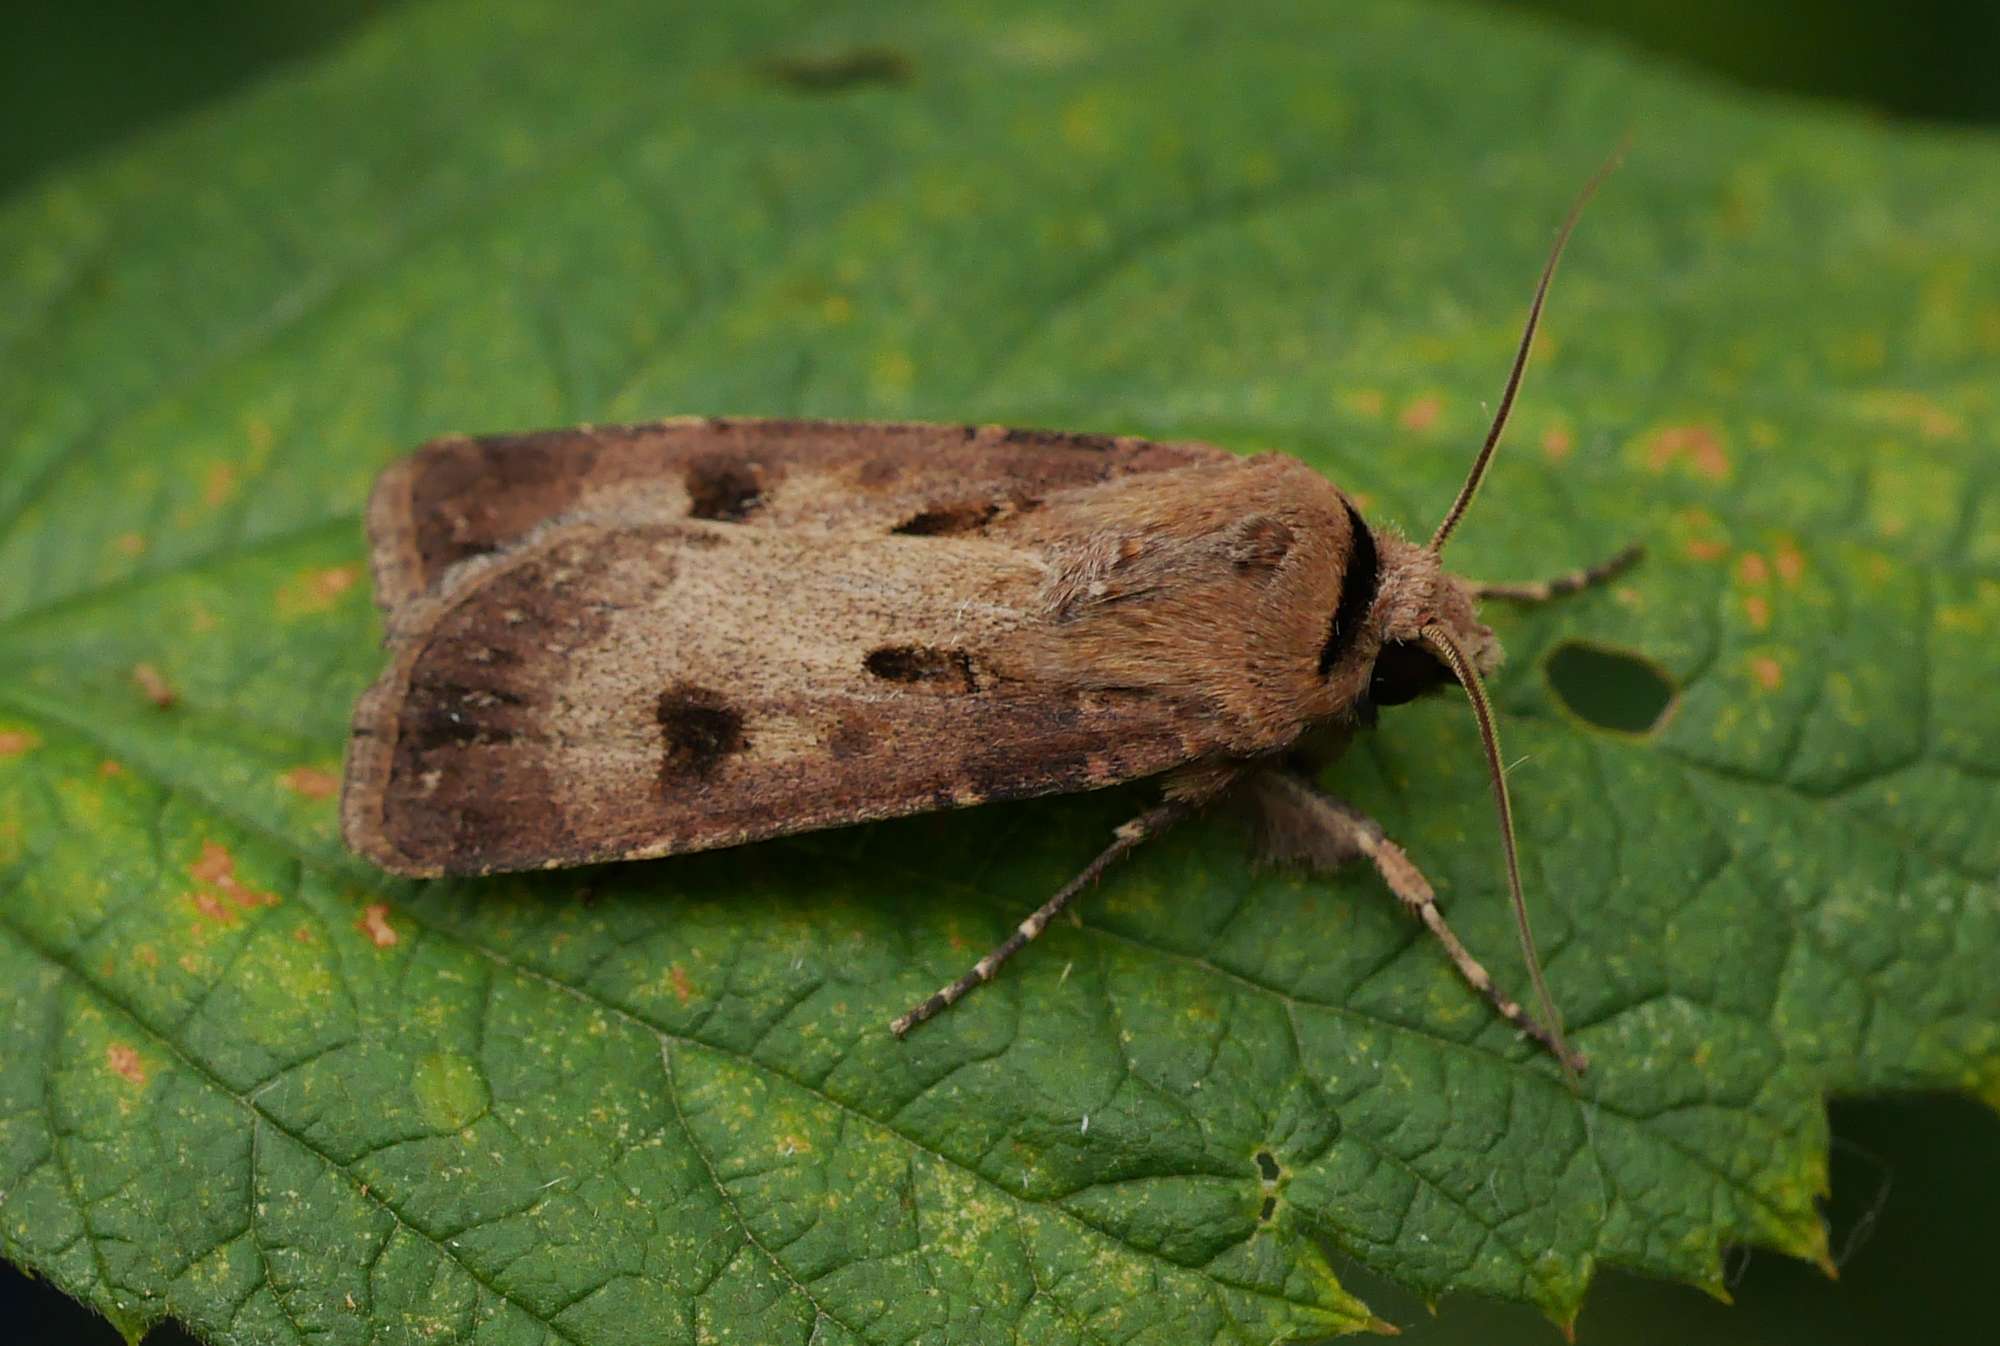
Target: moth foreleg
<point x="1303" y="826"/>
<point x="1541" y="591"/>
<point x="1148" y="824"/>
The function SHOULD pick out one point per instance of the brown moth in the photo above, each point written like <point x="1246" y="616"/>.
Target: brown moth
<point x="623" y="642"/>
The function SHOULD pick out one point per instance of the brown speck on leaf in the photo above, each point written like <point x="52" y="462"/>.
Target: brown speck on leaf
<point x="215" y="871"/>
<point x="14" y="742"/>
<point x="374" y="923"/>
<point x="1768" y="672"/>
<point x="218" y="485"/>
<point x="1697" y="445"/>
<point x="698" y="729"/>
<point x="1557" y="443"/>
<point x="311" y="782"/>
<point x="108" y="768"/>
<point x="316" y="589"/>
<point x="1706" y="548"/>
<point x="303" y="934"/>
<point x="1757" y="611"/>
<point x="683" y="988"/>
<point x="153" y="685"/>
<point x="1753" y="569"/>
<point x="1423" y="413"/>
<point x="124" y="1062"/>
<point x="1791" y="562"/>
<point x="128" y="544"/>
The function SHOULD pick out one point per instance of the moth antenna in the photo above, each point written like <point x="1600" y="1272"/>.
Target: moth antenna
<point x="1440" y="642"/>
<point x="1479" y="464"/>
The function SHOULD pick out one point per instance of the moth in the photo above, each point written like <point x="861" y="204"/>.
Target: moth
<point x="622" y="642"/>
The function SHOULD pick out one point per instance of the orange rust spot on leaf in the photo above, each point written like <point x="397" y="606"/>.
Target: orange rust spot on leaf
<point x="219" y="485"/>
<point x="374" y="923"/>
<point x="215" y="871"/>
<point x="1367" y="401"/>
<point x="1699" y="446"/>
<point x="1362" y="500"/>
<point x="312" y="782"/>
<point x="108" y="768"/>
<point x="146" y="956"/>
<point x="153" y="685"/>
<point x="1757" y="610"/>
<point x="1768" y="672"/>
<point x="128" y="544"/>
<point x="1791" y="562"/>
<point x="303" y="934"/>
<point x="1705" y="548"/>
<point x="1753" y="569"/>
<point x="14" y="742"/>
<point x="1558" y="443"/>
<point x="794" y="1144"/>
<point x="1423" y="413"/>
<point x="683" y="988"/>
<point x="201" y="621"/>
<point x="211" y="907"/>
<point x="316" y="590"/>
<point x="124" y="1062"/>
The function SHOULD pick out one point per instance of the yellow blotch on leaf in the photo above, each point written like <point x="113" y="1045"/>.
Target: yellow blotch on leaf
<point x="1365" y="401"/>
<point x="316" y="590"/>
<point x="450" y="1091"/>
<point x="219" y="485"/>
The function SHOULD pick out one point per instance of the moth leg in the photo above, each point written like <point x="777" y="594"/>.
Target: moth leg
<point x="1541" y="591"/>
<point x="1302" y="826"/>
<point x="1148" y="824"/>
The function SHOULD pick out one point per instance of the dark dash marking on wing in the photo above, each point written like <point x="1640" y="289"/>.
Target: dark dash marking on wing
<point x="942" y="670"/>
<point x="943" y="520"/>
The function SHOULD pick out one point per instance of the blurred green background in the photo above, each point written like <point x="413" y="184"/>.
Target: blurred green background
<point x="1915" y="1180"/>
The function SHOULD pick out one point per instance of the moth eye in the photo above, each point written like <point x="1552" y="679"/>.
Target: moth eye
<point x="1404" y="672"/>
<point x="1358" y="583"/>
<point x="723" y="488"/>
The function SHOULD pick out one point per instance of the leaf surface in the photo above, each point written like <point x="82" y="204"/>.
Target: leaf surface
<point x="251" y="1083"/>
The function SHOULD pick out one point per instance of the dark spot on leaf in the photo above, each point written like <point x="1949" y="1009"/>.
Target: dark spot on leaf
<point x="1612" y="689"/>
<point x="1267" y="1165"/>
<point x="946" y="519"/>
<point x="839" y="71"/>
<point x="723" y="488"/>
<point x="946" y="670"/>
<point x="699" y="728"/>
<point x="1269" y="1208"/>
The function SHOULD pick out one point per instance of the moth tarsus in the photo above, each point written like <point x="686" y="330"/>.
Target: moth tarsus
<point x="622" y="642"/>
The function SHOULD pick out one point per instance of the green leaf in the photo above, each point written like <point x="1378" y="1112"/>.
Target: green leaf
<point x="253" y="1084"/>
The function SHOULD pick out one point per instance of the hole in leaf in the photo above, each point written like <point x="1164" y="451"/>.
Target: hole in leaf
<point x="1269" y="1209"/>
<point x="1267" y="1164"/>
<point x="1609" y="688"/>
